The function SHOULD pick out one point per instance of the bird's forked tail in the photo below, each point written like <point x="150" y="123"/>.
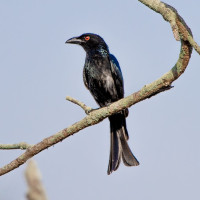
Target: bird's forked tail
<point x="118" y="143"/>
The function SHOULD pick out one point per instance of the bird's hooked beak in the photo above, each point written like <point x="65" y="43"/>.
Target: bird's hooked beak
<point x="74" y="40"/>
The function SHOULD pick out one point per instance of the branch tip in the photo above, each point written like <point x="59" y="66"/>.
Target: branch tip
<point x="87" y="109"/>
<point x="21" y="145"/>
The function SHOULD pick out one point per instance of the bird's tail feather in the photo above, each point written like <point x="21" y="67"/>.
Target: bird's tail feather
<point x="118" y="145"/>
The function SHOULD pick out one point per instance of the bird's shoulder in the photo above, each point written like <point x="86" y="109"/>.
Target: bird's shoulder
<point x="117" y="75"/>
<point x="115" y="67"/>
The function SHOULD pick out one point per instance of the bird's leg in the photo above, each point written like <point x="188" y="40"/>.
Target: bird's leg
<point x="91" y="110"/>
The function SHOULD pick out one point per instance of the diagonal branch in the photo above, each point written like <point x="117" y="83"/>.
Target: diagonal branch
<point x="164" y="82"/>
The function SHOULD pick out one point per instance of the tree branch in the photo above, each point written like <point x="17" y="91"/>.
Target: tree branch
<point x="94" y="117"/>
<point x="82" y="105"/>
<point x="21" y="145"/>
<point x="170" y="14"/>
<point x="194" y="44"/>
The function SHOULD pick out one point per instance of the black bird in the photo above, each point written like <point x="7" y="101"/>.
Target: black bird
<point x="103" y="78"/>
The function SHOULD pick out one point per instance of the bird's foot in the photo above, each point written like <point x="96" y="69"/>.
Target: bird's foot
<point x="88" y="111"/>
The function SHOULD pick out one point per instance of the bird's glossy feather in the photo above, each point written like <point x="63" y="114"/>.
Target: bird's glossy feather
<point x="103" y="78"/>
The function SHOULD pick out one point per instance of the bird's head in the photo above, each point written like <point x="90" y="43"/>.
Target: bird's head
<point x="89" y="42"/>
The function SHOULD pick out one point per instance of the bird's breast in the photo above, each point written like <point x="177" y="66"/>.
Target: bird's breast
<point x="98" y="67"/>
<point x="99" y="80"/>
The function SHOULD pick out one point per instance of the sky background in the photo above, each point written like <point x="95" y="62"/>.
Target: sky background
<point x="38" y="70"/>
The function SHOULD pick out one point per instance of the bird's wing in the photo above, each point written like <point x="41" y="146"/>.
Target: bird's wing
<point x="84" y="78"/>
<point x="117" y="76"/>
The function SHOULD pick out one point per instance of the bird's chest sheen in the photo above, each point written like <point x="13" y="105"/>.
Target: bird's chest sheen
<point x="97" y="69"/>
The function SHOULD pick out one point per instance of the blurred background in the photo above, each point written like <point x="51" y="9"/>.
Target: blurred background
<point x="38" y="70"/>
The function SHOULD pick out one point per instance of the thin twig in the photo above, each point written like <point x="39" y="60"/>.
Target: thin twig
<point x="79" y="103"/>
<point x="21" y="145"/>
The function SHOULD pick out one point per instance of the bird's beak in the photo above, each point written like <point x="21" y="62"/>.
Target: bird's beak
<point x="74" y="40"/>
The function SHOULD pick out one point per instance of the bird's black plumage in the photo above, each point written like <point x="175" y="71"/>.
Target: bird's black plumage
<point x="103" y="78"/>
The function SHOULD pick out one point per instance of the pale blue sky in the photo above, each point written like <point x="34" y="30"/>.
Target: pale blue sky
<point x="38" y="70"/>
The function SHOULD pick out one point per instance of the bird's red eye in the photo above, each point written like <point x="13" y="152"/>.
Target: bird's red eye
<point x="87" y="38"/>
